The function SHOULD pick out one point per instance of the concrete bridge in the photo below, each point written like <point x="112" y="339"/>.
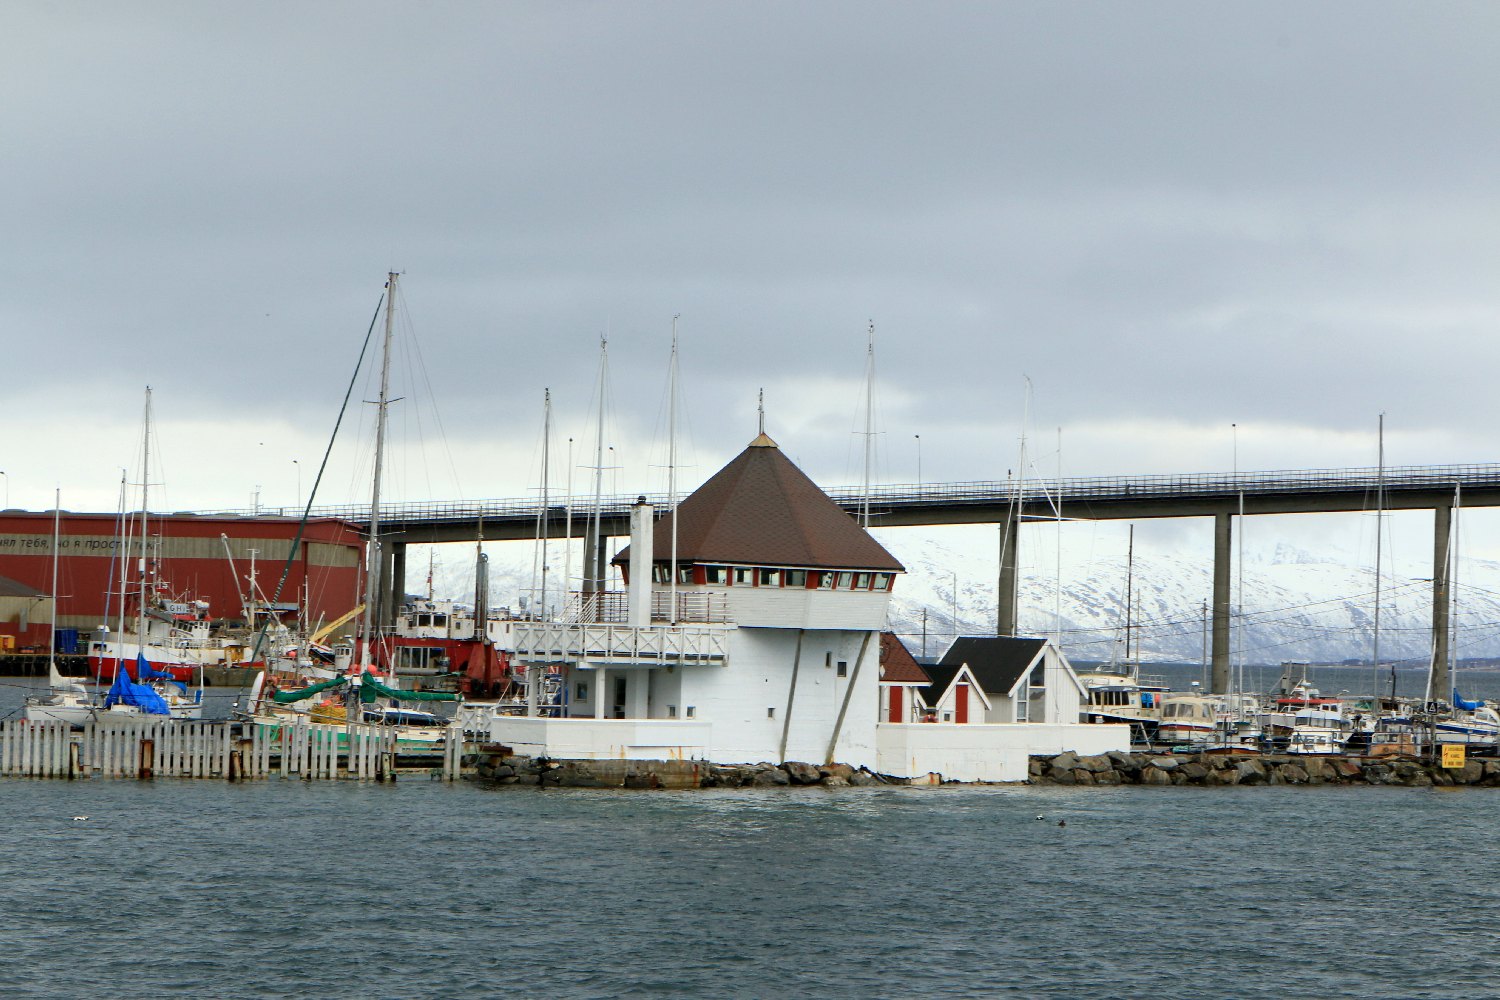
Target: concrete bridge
<point x="1009" y="505"/>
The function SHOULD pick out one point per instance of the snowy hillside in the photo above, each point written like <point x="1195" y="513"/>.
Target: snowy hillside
<point x="1299" y="603"/>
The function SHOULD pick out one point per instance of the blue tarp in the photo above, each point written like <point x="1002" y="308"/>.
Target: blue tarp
<point x="125" y="692"/>
<point x="144" y="671"/>
<point x="1467" y="706"/>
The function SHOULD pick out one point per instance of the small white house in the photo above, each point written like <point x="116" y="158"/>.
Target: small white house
<point x="1022" y="679"/>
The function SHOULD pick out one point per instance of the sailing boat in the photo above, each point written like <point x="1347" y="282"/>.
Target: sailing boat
<point x="1474" y="724"/>
<point x="362" y="688"/>
<point x="173" y="634"/>
<point x="68" y="700"/>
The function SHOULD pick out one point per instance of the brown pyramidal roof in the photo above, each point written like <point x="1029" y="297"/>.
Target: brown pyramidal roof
<point x="762" y="510"/>
<point x="897" y="665"/>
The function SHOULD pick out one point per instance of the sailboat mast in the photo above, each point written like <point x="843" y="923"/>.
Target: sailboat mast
<point x="373" y="554"/>
<point x="543" y="527"/>
<point x="672" y="468"/>
<point x="1129" y="587"/>
<point x="593" y="572"/>
<point x="145" y="535"/>
<point x="869" y="423"/>
<point x="1379" y="531"/>
<point x="56" y="535"/>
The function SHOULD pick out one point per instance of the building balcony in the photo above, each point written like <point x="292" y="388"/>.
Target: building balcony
<point x="592" y="644"/>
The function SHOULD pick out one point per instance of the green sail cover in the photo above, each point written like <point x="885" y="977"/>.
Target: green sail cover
<point x="370" y="689"/>
<point x="287" y="697"/>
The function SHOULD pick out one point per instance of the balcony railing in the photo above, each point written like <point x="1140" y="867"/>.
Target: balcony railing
<point x="611" y="607"/>
<point x="599" y="643"/>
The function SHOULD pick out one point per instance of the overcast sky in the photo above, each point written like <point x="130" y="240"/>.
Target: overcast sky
<point x="1171" y="217"/>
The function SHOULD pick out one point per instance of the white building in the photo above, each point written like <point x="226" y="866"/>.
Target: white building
<point x="750" y="631"/>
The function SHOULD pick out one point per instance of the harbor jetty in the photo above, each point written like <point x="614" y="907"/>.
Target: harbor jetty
<point x="499" y="765"/>
<point x="1219" y="770"/>
<point x="159" y="748"/>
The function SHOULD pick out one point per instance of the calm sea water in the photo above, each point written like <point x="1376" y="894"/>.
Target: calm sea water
<point x="285" y="889"/>
<point x="421" y="889"/>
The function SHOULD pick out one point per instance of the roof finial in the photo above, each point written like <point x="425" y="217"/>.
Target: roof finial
<point x="760" y="410"/>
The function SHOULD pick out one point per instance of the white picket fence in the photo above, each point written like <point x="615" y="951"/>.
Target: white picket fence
<point x="140" y="748"/>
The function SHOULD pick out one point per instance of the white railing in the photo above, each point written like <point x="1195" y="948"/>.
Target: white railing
<point x="611" y="607"/>
<point x="604" y="643"/>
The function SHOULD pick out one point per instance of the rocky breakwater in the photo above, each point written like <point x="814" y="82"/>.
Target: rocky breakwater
<point x="1116" y="768"/>
<point x="499" y="765"/>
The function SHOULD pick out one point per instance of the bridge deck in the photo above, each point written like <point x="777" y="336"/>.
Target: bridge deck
<point x="981" y="502"/>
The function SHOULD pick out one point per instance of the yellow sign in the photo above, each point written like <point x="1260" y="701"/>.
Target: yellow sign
<point x="1453" y="755"/>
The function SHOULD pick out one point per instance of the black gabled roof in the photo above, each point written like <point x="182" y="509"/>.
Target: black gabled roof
<point x="998" y="661"/>
<point x="942" y="677"/>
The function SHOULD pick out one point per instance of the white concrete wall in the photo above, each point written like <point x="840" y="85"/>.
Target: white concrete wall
<point x="796" y="607"/>
<point x="759" y="676"/>
<point x="986" y="752"/>
<point x="590" y="739"/>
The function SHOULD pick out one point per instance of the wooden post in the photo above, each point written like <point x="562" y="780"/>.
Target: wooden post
<point x="73" y="749"/>
<point x="147" y="759"/>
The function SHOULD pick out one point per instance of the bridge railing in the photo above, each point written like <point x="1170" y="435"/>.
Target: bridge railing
<point x="979" y="492"/>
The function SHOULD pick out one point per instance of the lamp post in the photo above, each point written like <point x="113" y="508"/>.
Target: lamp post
<point x="7" y="488"/>
<point x="299" y="480"/>
<point x="919" y="462"/>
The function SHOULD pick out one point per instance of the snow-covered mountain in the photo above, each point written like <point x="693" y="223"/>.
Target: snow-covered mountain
<point x="1299" y="603"/>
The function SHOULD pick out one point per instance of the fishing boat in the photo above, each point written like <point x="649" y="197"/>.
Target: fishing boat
<point x="1188" y="718"/>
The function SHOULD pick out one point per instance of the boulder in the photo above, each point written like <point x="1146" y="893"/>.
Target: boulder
<point x="1164" y="763"/>
<point x="1097" y="763"/>
<point x="1063" y="776"/>
<point x="1110" y="777"/>
<point x="1126" y="763"/>
<point x="1347" y="768"/>
<point x="1472" y="771"/>
<point x="862" y="778"/>
<point x="1442" y="777"/>
<point x="1036" y="768"/>
<point x="834" y="781"/>
<point x="836" y="771"/>
<point x="802" y="774"/>
<point x="1065" y="761"/>
<point x="1293" y="774"/>
<point x="1317" y="769"/>
<point x="766" y="777"/>
<point x="1082" y="776"/>
<point x="1155" y="776"/>
<point x="1376" y="774"/>
<point x="1192" y="771"/>
<point x="1251" y="772"/>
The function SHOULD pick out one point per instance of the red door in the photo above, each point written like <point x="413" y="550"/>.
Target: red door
<point x="961" y="703"/>
<point x="896" y="705"/>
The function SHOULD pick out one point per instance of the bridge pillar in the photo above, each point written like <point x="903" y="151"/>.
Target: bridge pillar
<point x="1005" y="619"/>
<point x="1223" y="531"/>
<point x="395" y="591"/>
<point x="1442" y="683"/>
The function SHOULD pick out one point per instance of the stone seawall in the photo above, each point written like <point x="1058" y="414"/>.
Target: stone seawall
<point x="1265" y="769"/>
<point x="499" y="765"/>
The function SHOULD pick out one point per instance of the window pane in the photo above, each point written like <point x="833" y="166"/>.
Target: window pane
<point x="846" y="581"/>
<point x="770" y="578"/>
<point x="796" y="578"/>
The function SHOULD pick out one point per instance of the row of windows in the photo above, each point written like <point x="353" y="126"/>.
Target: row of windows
<point x="755" y="576"/>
